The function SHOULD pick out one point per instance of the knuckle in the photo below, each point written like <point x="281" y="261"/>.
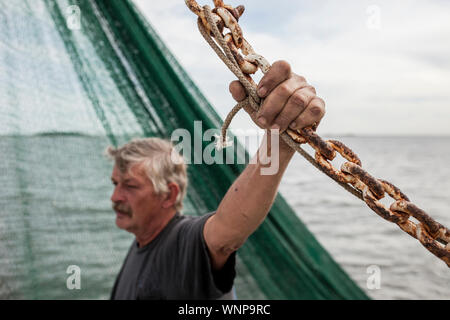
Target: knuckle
<point x="283" y="66"/>
<point x="320" y="102"/>
<point x="284" y="90"/>
<point x="317" y="111"/>
<point x="301" y="79"/>
<point x="299" y="122"/>
<point x="298" y="99"/>
<point x="312" y="89"/>
<point x="283" y="119"/>
<point x="263" y="113"/>
<point x="283" y="122"/>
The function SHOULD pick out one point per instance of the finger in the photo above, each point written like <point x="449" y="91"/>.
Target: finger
<point x="302" y="97"/>
<point x="312" y="114"/>
<point x="239" y="94"/>
<point x="237" y="91"/>
<point x="294" y="107"/>
<point x="279" y="72"/>
<point x="277" y="99"/>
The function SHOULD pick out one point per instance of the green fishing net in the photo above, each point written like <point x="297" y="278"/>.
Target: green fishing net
<point x="68" y="89"/>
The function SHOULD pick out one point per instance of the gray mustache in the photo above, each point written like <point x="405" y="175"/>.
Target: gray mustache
<point x="122" y="208"/>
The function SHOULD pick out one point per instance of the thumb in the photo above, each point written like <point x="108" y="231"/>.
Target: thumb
<point x="237" y="91"/>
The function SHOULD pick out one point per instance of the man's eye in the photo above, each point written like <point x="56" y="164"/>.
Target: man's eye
<point x="132" y="187"/>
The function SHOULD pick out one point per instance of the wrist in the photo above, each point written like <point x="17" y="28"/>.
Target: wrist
<point x="274" y="143"/>
<point x="284" y="147"/>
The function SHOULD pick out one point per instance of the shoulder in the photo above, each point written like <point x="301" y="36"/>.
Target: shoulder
<point x="189" y="223"/>
<point x="184" y="229"/>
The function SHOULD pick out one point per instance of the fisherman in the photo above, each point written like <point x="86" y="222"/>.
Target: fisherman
<point x="183" y="257"/>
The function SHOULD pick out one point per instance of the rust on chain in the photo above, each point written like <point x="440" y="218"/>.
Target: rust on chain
<point x="218" y="3"/>
<point x="385" y="213"/>
<point x="318" y="143"/>
<point x="431" y="234"/>
<point x="392" y="190"/>
<point x="247" y="48"/>
<point x="328" y="168"/>
<point x="244" y="65"/>
<point x="435" y="229"/>
<point x="296" y="136"/>
<point x="417" y="232"/>
<point x="345" y="151"/>
<point x="236" y="12"/>
<point x="231" y="23"/>
<point x="200" y="12"/>
<point x="375" y="187"/>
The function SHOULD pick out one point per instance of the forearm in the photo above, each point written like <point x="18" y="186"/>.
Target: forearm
<point x="251" y="196"/>
<point x="289" y="101"/>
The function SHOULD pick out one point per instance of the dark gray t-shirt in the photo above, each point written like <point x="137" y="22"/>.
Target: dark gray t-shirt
<point x="175" y="265"/>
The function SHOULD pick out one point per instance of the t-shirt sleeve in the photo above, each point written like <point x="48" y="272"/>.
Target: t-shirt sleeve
<point x="198" y="277"/>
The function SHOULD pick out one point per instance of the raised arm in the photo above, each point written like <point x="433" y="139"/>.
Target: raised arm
<point x="289" y="101"/>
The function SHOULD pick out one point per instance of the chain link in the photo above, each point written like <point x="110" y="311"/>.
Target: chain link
<point x="431" y="234"/>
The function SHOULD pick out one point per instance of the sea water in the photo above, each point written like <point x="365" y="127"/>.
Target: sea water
<point x="56" y="218"/>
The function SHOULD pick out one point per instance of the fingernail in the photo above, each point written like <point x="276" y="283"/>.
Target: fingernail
<point x="275" y="127"/>
<point x="262" y="121"/>
<point x="292" y="125"/>
<point x="262" y="91"/>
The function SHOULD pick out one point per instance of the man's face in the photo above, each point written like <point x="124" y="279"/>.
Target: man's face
<point x="134" y="199"/>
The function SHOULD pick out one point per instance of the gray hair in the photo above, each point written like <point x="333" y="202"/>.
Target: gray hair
<point x="161" y="162"/>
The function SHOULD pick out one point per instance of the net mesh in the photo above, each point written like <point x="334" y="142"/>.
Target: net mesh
<point x="67" y="91"/>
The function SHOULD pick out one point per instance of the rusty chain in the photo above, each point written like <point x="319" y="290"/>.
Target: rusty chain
<point x="431" y="234"/>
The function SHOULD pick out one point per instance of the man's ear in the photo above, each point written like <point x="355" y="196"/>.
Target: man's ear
<point x="171" y="197"/>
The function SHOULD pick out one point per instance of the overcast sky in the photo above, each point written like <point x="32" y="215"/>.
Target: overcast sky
<point x="382" y="67"/>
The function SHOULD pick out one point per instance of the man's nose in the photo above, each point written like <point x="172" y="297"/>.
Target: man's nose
<point x="117" y="195"/>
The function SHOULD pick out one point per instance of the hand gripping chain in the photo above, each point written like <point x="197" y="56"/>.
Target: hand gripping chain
<point x="432" y="235"/>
